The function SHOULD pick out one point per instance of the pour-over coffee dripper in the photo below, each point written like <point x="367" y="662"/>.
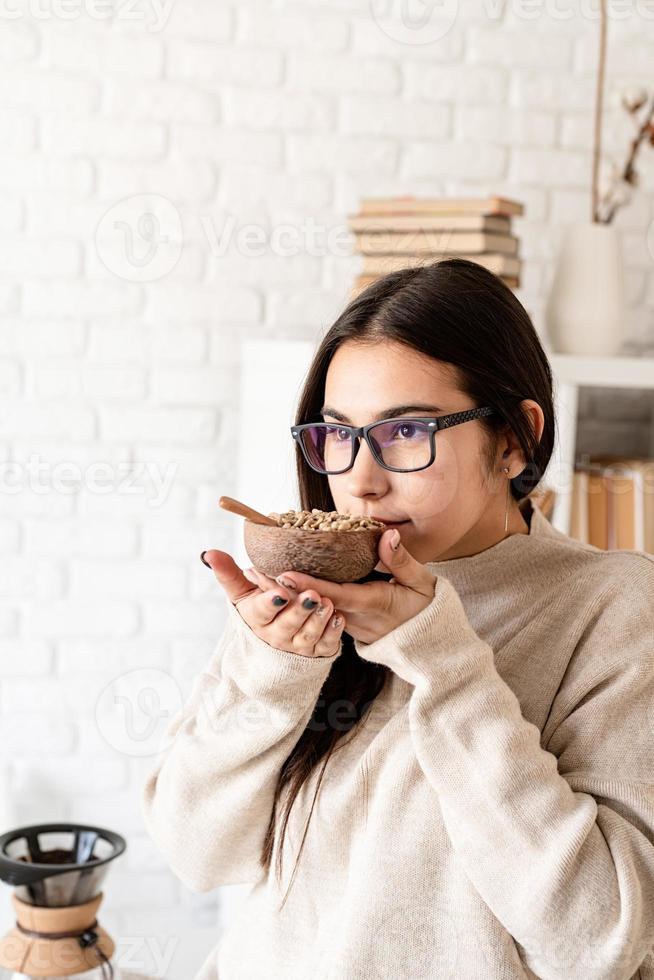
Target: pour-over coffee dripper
<point x="57" y="871"/>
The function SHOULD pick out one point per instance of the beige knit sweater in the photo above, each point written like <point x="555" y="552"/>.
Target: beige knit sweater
<point x="493" y="817"/>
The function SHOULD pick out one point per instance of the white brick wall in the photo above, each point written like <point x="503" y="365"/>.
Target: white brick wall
<point x="120" y="377"/>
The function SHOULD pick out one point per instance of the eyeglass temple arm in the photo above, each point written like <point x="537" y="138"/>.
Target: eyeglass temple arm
<point x="442" y="422"/>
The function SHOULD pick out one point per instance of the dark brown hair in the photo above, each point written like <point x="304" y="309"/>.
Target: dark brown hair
<point x="457" y="312"/>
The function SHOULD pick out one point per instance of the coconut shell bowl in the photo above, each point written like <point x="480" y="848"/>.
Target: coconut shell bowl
<point x="346" y="553"/>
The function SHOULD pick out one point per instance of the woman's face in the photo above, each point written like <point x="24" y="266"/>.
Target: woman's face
<point x="451" y="508"/>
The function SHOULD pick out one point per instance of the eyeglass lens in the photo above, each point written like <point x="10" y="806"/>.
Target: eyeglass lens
<point x="402" y="445"/>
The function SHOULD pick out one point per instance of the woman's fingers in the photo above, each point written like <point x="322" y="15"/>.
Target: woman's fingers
<point x="227" y="573"/>
<point x="330" y="640"/>
<point x="264" y="607"/>
<point x="266" y="582"/>
<point x="310" y="631"/>
<point x="231" y="578"/>
<point x="289" y="616"/>
<point x="303" y="623"/>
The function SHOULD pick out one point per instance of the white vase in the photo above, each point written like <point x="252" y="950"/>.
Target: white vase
<point x="585" y="308"/>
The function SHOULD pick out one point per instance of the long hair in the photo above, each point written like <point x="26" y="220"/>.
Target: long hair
<point x="454" y="311"/>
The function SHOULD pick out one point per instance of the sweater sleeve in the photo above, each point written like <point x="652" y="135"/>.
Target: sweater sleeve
<point x="559" y="844"/>
<point x="208" y="800"/>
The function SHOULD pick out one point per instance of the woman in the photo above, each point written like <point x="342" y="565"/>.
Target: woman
<point x="456" y="780"/>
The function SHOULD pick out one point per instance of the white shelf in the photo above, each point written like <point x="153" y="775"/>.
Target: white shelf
<point x="604" y="372"/>
<point x="572" y="372"/>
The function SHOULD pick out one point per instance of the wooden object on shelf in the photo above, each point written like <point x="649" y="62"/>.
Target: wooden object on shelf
<point x="461" y="243"/>
<point x="494" y="223"/>
<point x="629" y="484"/>
<point x="579" y="507"/>
<point x="400" y="232"/>
<point x="622" y="509"/>
<point x="409" y="204"/>
<point x="598" y="511"/>
<point x="380" y="265"/>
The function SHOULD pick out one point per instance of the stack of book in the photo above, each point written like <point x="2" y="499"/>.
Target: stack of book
<point x="394" y="232"/>
<point x="613" y="503"/>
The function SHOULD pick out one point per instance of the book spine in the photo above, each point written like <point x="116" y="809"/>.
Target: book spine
<point x="611" y="510"/>
<point x="639" y="510"/>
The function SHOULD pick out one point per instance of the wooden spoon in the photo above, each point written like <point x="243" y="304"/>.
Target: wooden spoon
<point x="236" y="507"/>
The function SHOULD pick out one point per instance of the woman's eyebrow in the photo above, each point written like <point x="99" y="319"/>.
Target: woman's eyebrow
<point x="388" y="413"/>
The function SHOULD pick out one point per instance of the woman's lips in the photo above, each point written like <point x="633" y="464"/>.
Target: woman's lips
<point x="390" y="523"/>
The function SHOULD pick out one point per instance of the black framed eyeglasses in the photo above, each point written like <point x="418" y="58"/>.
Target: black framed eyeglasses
<point x="402" y="445"/>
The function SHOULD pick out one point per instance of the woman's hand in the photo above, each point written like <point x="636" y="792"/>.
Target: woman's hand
<point x="311" y="630"/>
<point x="372" y="609"/>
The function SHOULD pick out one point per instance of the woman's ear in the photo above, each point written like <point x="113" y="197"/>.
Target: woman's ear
<point x="536" y="416"/>
<point x="512" y="454"/>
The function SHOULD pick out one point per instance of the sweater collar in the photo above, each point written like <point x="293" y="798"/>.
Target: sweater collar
<point x="502" y="558"/>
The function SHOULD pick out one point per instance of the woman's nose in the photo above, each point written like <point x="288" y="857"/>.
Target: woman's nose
<point x="366" y="475"/>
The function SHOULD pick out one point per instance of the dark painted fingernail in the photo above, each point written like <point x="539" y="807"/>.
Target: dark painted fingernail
<point x="279" y="600"/>
<point x="309" y="603"/>
<point x="202" y="559"/>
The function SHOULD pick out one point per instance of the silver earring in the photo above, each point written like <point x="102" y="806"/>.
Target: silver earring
<point x="508" y="496"/>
